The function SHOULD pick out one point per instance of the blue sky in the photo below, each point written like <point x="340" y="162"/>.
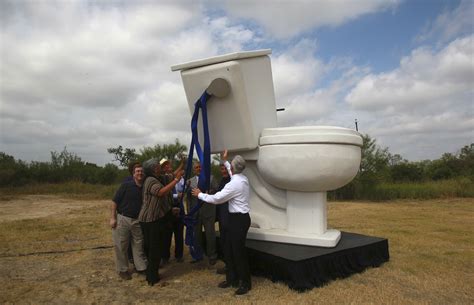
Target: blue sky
<point x="96" y="74"/>
<point x="380" y="40"/>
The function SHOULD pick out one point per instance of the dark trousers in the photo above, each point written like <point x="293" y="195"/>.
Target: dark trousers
<point x="176" y="229"/>
<point x="235" y="252"/>
<point x="153" y="236"/>
<point x="223" y="236"/>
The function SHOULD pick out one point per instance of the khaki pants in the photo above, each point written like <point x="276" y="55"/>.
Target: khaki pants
<point x="210" y="230"/>
<point x="128" y="227"/>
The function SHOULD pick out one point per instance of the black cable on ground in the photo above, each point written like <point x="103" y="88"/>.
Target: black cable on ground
<point x="56" y="252"/>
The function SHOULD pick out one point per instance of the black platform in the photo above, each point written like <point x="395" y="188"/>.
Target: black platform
<point x="306" y="267"/>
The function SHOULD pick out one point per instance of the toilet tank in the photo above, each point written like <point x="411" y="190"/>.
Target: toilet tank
<point x="235" y="121"/>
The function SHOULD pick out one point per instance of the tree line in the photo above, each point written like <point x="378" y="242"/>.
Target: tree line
<point x="67" y="166"/>
<point x="378" y="167"/>
<point x="378" y="163"/>
<point x="64" y="166"/>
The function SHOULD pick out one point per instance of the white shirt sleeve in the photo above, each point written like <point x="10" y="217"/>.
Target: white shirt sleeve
<point x="227" y="166"/>
<point x="224" y="195"/>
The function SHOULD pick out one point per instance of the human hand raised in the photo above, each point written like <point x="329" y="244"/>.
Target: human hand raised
<point x="179" y="174"/>
<point x="224" y="155"/>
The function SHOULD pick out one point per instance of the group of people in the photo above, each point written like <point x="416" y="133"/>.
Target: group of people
<point x="146" y="213"/>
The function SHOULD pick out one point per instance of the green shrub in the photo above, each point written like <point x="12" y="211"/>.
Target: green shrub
<point x="459" y="187"/>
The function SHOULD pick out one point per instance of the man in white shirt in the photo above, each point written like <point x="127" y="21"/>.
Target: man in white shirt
<point x="237" y="193"/>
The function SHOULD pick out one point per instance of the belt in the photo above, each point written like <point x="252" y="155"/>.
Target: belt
<point x="127" y="215"/>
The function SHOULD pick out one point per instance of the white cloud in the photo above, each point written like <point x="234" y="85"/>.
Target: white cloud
<point x="296" y="71"/>
<point x="166" y="108"/>
<point x="92" y="75"/>
<point x="284" y="19"/>
<point x="423" y="80"/>
<point x="450" y="24"/>
<point x="95" y="74"/>
<point x="230" y="37"/>
<point x="298" y="76"/>
<point x="428" y="99"/>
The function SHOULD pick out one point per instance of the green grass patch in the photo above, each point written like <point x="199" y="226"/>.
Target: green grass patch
<point x="452" y="188"/>
<point x="424" y="190"/>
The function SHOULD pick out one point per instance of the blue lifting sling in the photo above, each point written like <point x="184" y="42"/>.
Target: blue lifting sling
<point x="204" y="176"/>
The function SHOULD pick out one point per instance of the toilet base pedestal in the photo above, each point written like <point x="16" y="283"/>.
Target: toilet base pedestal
<point x="305" y="267"/>
<point x="328" y="239"/>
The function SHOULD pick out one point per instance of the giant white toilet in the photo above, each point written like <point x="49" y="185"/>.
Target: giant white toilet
<point x="289" y="169"/>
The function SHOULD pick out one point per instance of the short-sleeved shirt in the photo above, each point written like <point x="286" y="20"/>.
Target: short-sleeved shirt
<point x="153" y="207"/>
<point x="128" y="199"/>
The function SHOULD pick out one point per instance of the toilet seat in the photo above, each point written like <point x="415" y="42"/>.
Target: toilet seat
<point x="310" y="135"/>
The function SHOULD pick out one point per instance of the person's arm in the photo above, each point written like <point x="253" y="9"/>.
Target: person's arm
<point x="179" y="169"/>
<point x="227" y="167"/>
<point x="113" y="206"/>
<point x="169" y="187"/>
<point x="113" y="215"/>
<point x="226" y="163"/>
<point x="178" y="188"/>
<point x="224" y="195"/>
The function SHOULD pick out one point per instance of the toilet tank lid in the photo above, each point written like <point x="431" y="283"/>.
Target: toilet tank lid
<point x="219" y="59"/>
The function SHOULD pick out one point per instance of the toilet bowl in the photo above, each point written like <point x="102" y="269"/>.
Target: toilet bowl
<point x="306" y="162"/>
<point x="289" y="169"/>
<point x="310" y="158"/>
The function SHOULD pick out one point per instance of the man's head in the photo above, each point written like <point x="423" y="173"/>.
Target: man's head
<point x="223" y="170"/>
<point x="152" y="167"/>
<point x="197" y="168"/>
<point x="131" y="166"/>
<point x="138" y="173"/>
<point x="238" y="164"/>
<point x="165" y="166"/>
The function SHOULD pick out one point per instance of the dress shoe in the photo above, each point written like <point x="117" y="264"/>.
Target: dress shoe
<point x="226" y="284"/>
<point x="125" y="276"/>
<point x="153" y="282"/>
<point x="242" y="290"/>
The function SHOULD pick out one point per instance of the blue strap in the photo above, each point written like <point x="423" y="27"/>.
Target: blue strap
<point x="205" y="175"/>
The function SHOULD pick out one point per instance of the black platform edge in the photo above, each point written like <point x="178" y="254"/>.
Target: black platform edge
<point x="353" y="254"/>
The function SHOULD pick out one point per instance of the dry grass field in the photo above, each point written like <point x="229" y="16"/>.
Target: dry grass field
<point x="56" y="250"/>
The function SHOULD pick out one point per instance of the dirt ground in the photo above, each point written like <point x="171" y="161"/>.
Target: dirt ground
<point x="56" y="250"/>
<point x="37" y="206"/>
